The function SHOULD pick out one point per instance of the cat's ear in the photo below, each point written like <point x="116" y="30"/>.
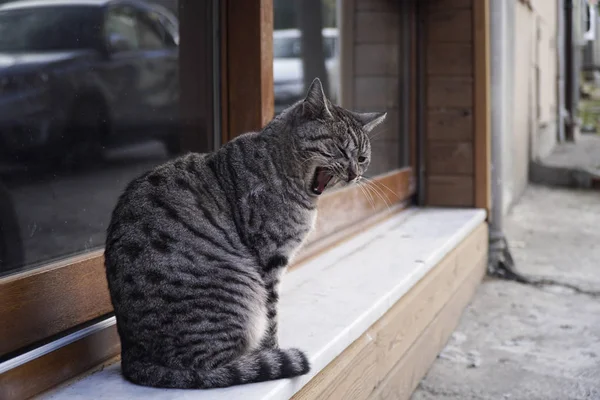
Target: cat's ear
<point x="370" y="120"/>
<point x="316" y="104"/>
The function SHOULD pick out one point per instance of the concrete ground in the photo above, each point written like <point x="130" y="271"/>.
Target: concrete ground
<point x="575" y="164"/>
<point x="583" y="153"/>
<point x="521" y="342"/>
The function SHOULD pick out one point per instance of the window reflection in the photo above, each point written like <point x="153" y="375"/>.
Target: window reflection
<point x="89" y="99"/>
<point x="305" y="46"/>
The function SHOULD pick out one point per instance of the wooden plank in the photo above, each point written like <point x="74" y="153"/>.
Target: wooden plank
<point x="377" y="27"/>
<point x="347" y="53"/>
<point x="250" y="65"/>
<point x="450" y="25"/>
<point x="376" y="59"/>
<point x="361" y="368"/>
<point x="46" y="301"/>
<point x="377" y="5"/>
<point x="481" y="106"/>
<point x="450" y="59"/>
<point x="450" y="124"/>
<point x="406" y="375"/>
<point x="449" y="191"/>
<point x="376" y="93"/>
<point x="444" y="5"/>
<point x="450" y="158"/>
<point x="449" y="92"/>
<point x="61" y="365"/>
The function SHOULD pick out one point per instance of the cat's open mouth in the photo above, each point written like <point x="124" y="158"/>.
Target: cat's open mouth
<point x="321" y="180"/>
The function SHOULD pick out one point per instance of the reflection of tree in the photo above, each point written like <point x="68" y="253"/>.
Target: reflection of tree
<point x="310" y="21"/>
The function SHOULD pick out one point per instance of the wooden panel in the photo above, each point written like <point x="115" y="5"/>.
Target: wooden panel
<point x="450" y="158"/>
<point x="54" y="368"/>
<point x="450" y="59"/>
<point x="450" y="124"/>
<point x="449" y="91"/>
<point x="379" y="59"/>
<point x="406" y="375"/>
<point x="444" y="5"/>
<point x="360" y="369"/>
<point x="377" y="27"/>
<point x="481" y="107"/>
<point x="375" y="5"/>
<point x="450" y="25"/>
<point x="249" y="65"/>
<point x="450" y="191"/>
<point x="376" y="93"/>
<point x="47" y="301"/>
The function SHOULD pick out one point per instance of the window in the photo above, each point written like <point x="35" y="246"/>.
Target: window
<point x="121" y="29"/>
<point x="365" y="65"/>
<point x="298" y="26"/>
<point x="80" y="117"/>
<point x="43" y="29"/>
<point x="77" y="126"/>
<point x="308" y="42"/>
<point x="152" y="34"/>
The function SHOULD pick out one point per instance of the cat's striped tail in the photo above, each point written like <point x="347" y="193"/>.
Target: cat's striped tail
<point x="258" y="366"/>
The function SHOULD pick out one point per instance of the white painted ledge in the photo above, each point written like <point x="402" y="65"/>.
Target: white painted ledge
<point x="327" y="304"/>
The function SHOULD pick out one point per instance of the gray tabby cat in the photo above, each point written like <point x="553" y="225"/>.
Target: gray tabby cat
<point x="196" y="247"/>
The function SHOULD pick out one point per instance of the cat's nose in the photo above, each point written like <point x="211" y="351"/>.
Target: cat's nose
<point x="351" y="174"/>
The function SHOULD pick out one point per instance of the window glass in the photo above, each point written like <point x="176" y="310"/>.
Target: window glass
<point x="121" y="29"/>
<point x="79" y="119"/>
<point x="35" y="29"/>
<point x="305" y="46"/>
<point x="151" y="35"/>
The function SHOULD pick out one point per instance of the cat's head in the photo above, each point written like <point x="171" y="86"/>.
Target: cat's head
<point x="334" y="143"/>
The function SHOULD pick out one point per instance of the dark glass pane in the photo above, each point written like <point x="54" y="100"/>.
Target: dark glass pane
<point x="305" y="46"/>
<point x="89" y="99"/>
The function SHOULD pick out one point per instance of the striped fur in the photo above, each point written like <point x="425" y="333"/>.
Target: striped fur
<point x="196" y="248"/>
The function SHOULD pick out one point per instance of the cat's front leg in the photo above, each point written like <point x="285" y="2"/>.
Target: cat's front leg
<point x="272" y="273"/>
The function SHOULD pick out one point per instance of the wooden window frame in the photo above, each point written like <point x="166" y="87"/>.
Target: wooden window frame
<point x="45" y="304"/>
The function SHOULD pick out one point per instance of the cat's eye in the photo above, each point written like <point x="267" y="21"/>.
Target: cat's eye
<point x="362" y="159"/>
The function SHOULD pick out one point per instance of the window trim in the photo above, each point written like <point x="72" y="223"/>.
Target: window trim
<point x="247" y="104"/>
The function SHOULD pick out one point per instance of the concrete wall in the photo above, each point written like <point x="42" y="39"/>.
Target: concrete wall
<point x="534" y="132"/>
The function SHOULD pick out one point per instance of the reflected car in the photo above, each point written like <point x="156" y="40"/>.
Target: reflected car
<point x="82" y="74"/>
<point x="288" y="73"/>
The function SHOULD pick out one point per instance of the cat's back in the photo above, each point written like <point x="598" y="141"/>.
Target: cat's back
<point x="175" y="205"/>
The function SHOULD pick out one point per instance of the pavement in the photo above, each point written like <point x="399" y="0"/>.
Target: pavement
<point x="571" y="164"/>
<point x="521" y="342"/>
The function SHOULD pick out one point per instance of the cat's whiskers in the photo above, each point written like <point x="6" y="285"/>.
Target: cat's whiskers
<point x="384" y="186"/>
<point x="361" y="186"/>
<point x="379" y="194"/>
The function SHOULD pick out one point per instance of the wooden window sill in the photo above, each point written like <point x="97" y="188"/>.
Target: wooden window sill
<point x="329" y="303"/>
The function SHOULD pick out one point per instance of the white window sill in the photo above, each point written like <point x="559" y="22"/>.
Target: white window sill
<point x="328" y="303"/>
